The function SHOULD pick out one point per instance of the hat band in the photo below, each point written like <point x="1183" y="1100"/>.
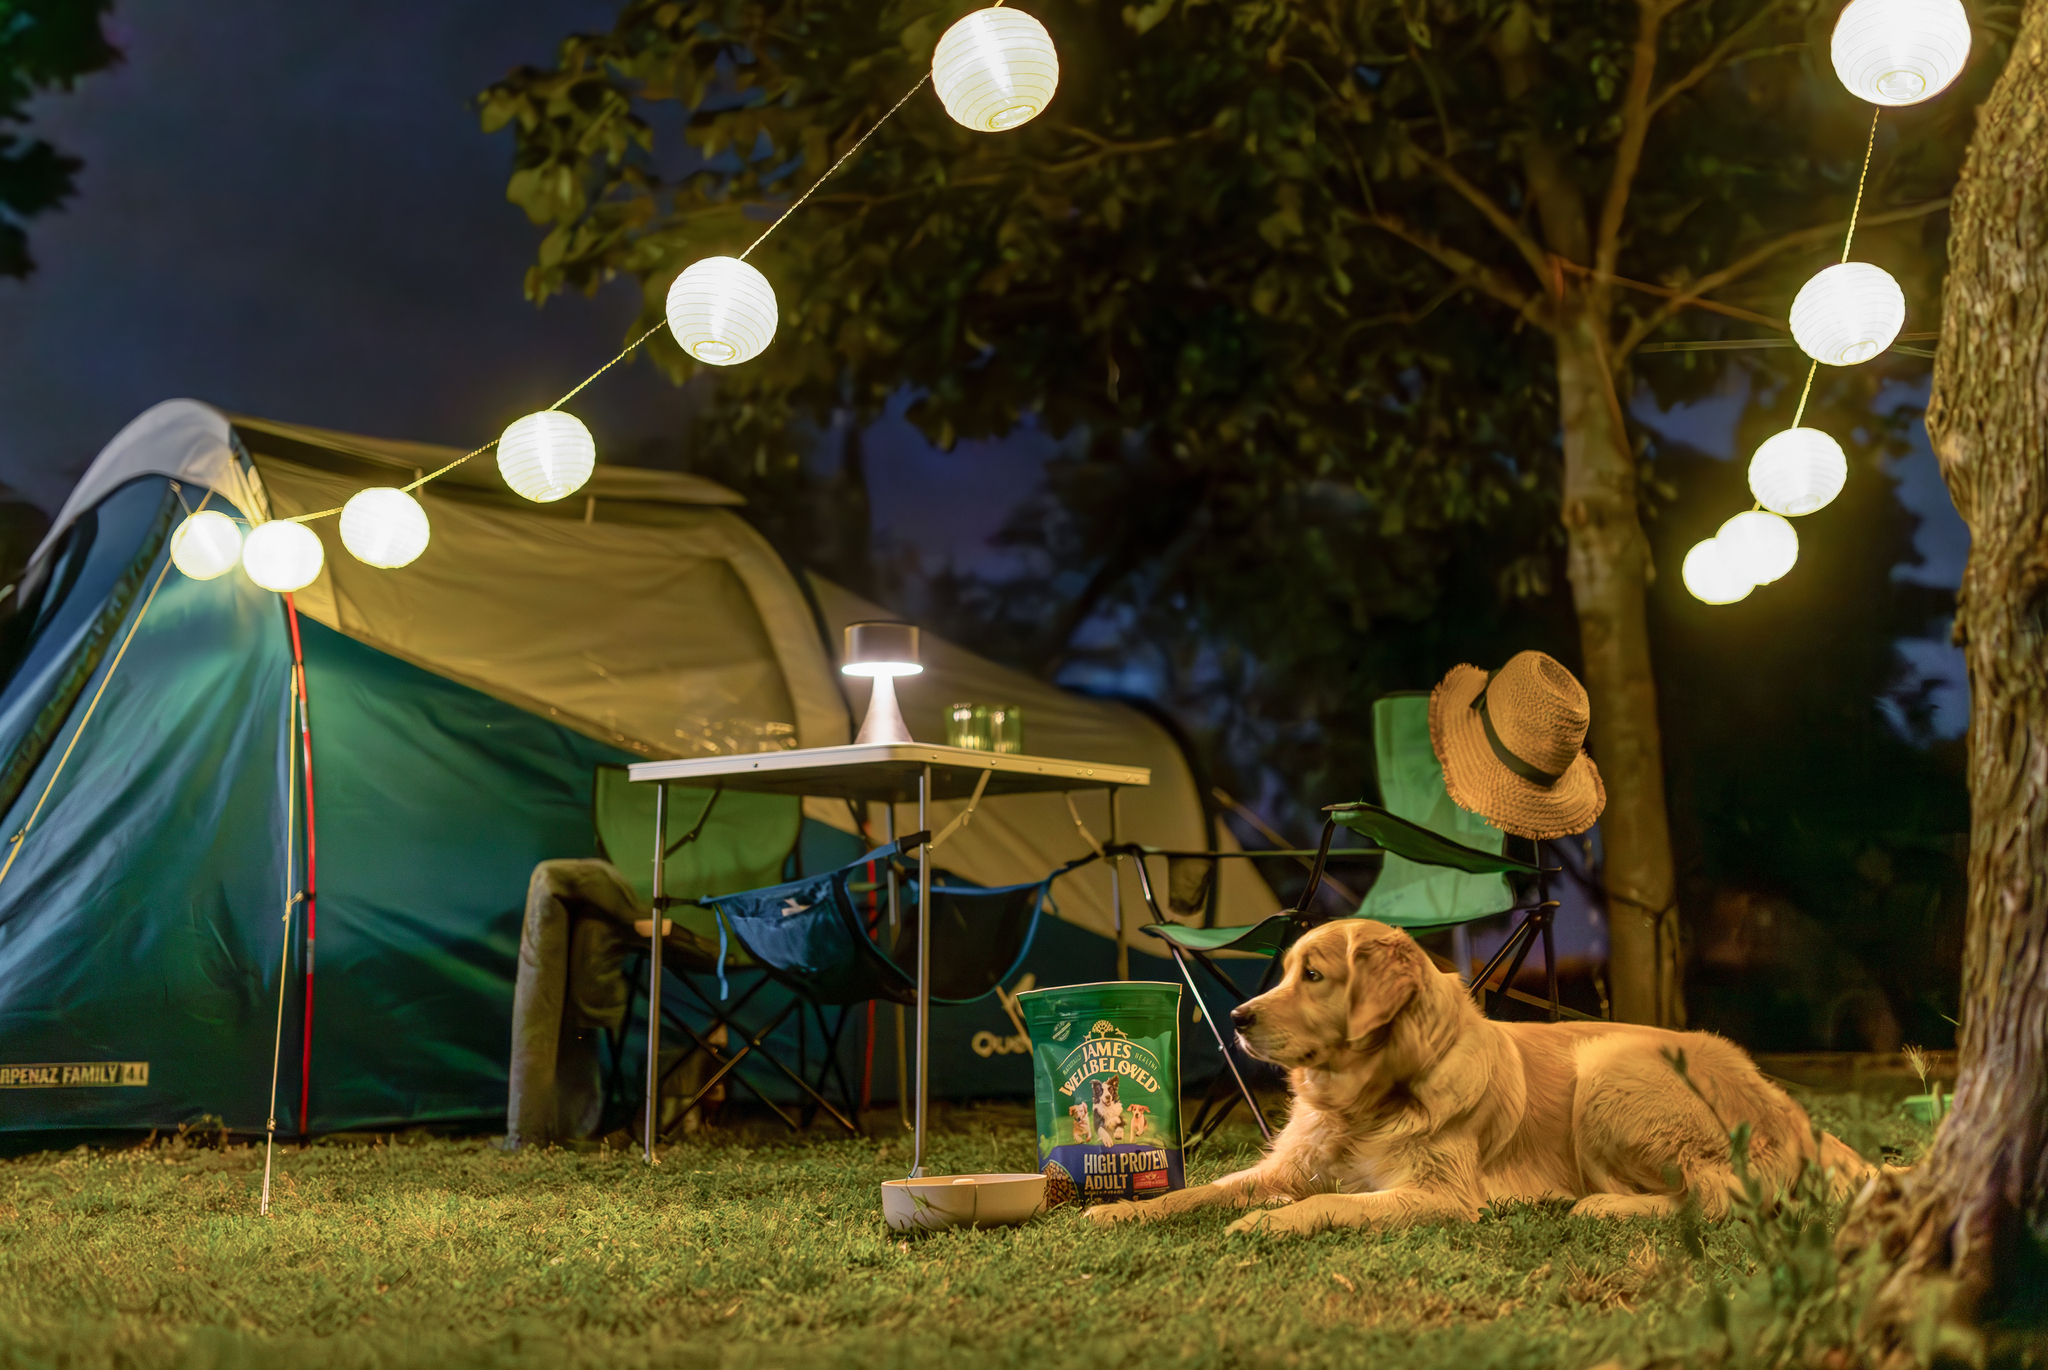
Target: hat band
<point x="1527" y="770"/>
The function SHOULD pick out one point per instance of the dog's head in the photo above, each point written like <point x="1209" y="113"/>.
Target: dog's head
<point x="1345" y="984"/>
<point x="1105" y="1092"/>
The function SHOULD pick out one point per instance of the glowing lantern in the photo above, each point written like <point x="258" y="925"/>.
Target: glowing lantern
<point x="206" y="545"/>
<point x="1900" y="52"/>
<point x="384" y="527"/>
<point x="547" y="455"/>
<point x="995" y="69"/>
<point x="1848" y="314"/>
<point x="1797" y="471"/>
<point x="1711" y="576"/>
<point x="282" y="556"/>
<point x="722" y="311"/>
<point x="1758" y="546"/>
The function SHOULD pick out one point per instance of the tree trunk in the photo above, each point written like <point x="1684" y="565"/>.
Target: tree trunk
<point x="1609" y="567"/>
<point x="1968" y="1226"/>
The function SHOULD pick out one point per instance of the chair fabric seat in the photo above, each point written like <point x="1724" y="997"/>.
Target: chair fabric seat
<point x="1264" y="938"/>
<point x="814" y="934"/>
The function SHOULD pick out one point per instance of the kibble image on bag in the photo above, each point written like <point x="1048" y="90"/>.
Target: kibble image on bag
<point x="1105" y="1065"/>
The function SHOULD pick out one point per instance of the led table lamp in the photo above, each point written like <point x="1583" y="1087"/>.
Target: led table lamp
<point x="882" y="651"/>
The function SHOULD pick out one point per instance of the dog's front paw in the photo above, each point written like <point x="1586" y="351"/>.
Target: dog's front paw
<point x="1122" y="1211"/>
<point x="1297" y="1219"/>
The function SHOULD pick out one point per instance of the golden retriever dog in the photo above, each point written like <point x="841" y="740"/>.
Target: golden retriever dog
<point x="1410" y="1105"/>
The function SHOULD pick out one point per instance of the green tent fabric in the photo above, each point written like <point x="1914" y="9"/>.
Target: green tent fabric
<point x="140" y="920"/>
<point x="141" y="923"/>
<point x="1412" y="821"/>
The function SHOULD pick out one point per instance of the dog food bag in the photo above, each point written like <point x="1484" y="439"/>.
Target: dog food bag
<point x="1105" y="1067"/>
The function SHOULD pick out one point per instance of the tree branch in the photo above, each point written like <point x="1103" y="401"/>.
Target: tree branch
<point x="1714" y="60"/>
<point x="1463" y="265"/>
<point x="1532" y="252"/>
<point x="1714" y="280"/>
<point x="1635" y="131"/>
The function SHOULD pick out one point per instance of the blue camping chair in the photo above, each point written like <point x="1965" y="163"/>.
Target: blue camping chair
<point x="1442" y="867"/>
<point x="823" y="938"/>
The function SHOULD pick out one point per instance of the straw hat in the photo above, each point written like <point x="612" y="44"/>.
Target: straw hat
<point x="1510" y="741"/>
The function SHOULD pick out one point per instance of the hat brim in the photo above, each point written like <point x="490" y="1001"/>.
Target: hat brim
<point x="1478" y="780"/>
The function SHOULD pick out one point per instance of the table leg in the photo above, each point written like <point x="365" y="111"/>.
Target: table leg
<point x="902" y="1025"/>
<point x="924" y="969"/>
<point x="1116" y="889"/>
<point x="654" y="970"/>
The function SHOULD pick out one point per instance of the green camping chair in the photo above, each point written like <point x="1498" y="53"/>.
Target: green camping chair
<point x="1444" y="868"/>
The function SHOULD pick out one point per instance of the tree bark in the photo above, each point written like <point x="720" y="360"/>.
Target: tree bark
<point x="1609" y="568"/>
<point x="1966" y="1229"/>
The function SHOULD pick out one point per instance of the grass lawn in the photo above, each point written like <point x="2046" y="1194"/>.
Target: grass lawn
<point x="745" y="1249"/>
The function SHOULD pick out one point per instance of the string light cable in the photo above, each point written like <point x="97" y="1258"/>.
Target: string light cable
<point x="633" y="346"/>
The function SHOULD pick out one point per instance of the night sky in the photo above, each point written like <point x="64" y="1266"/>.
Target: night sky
<point x="288" y="210"/>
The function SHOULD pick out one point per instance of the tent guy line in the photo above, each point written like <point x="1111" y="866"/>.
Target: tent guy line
<point x="14" y="844"/>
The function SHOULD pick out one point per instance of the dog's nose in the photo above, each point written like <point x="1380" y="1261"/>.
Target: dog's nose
<point x="1242" y="1018"/>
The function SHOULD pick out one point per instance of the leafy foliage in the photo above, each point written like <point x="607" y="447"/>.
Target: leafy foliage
<point x="43" y="44"/>
<point x="1282" y="277"/>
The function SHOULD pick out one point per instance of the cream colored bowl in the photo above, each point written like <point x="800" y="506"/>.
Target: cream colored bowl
<point x="940" y="1201"/>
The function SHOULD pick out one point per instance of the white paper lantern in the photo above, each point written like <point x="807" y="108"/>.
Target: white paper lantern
<point x="1900" y="52"/>
<point x="1848" y="314"/>
<point x="206" y="545"/>
<point x="1758" y="545"/>
<point x="1711" y="575"/>
<point x="282" y="556"/>
<point x="722" y="311"/>
<point x="995" y="69"/>
<point x="547" y="455"/>
<point x="1797" y="471"/>
<point x="384" y="527"/>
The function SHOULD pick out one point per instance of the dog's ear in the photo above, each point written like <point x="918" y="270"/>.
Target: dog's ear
<point x="1385" y="974"/>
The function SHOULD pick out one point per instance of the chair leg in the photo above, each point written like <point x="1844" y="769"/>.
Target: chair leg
<point x="1222" y="1045"/>
<point x="1550" y="967"/>
<point x="1507" y="948"/>
<point x="1527" y="933"/>
<point x="1210" y="1128"/>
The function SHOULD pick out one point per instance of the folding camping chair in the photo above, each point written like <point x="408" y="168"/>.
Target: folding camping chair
<point x="822" y="938"/>
<point x="1443" y="868"/>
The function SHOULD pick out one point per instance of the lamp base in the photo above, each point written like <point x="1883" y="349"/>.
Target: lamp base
<point x="884" y="722"/>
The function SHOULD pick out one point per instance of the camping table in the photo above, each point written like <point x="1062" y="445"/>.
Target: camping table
<point x="878" y="773"/>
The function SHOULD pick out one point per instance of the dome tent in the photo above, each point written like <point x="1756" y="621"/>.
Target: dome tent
<point x="459" y="710"/>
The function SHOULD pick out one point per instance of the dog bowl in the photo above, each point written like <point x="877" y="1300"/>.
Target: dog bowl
<point x="941" y="1201"/>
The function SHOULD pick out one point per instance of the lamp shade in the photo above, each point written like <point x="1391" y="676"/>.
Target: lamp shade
<point x="1711" y="575"/>
<point x="1797" y="471"/>
<point x="1848" y="314"/>
<point x="547" y="455"/>
<point x="1900" y="52"/>
<point x="206" y="545"/>
<point x="1759" y="546"/>
<point x="995" y="69"/>
<point x="384" y="527"/>
<point x="722" y="311"/>
<point x="881" y="649"/>
<point x="282" y="556"/>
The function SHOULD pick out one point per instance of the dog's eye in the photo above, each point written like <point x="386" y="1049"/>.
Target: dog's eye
<point x="1311" y="974"/>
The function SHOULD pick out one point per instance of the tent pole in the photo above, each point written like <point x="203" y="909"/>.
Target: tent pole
<point x="924" y="966"/>
<point x="291" y="757"/>
<point x="654" y="970"/>
<point x="312" y="873"/>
